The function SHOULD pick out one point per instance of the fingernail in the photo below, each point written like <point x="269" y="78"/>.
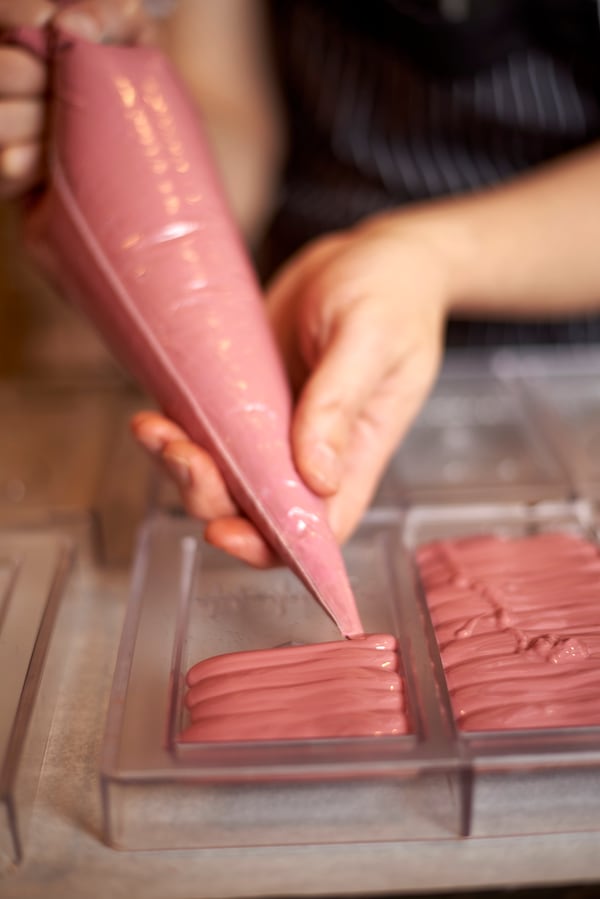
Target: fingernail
<point x="81" y="24"/>
<point x="335" y="520"/>
<point x="149" y="440"/>
<point x="16" y="161"/>
<point x="179" y="469"/>
<point x="325" y="465"/>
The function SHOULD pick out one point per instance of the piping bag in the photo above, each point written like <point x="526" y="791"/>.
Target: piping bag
<point x="134" y="229"/>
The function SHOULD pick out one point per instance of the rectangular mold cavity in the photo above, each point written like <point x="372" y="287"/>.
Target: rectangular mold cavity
<point x="566" y="408"/>
<point x="187" y="604"/>
<point x="519" y="781"/>
<point x="33" y="569"/>
<point x="473" y="442"/>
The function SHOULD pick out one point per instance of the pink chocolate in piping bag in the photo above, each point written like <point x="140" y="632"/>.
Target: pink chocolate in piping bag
<point x="135" y="229"/>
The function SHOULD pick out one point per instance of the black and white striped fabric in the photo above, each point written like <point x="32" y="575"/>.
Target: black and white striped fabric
<point x="395" y="101"/>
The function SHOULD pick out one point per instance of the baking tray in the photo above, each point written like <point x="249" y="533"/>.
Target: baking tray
<point x="522" y="781"/>
<point x="33" y="570"/>
<point x="188" y="602"/>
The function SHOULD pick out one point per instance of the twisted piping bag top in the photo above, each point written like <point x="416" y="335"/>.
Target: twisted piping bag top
<point x="135" y="229"/>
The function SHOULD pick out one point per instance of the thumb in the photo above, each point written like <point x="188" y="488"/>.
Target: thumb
<point x="350" y="367"/>
<point x="109" y="21"/>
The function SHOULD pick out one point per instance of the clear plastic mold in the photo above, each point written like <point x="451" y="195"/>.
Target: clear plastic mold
<point x="541" y="780"/>
<point x="189" y="603"/>
<point x="33" y="569"/>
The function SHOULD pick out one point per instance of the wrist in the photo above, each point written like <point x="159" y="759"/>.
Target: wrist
<point x="442" y="235"/>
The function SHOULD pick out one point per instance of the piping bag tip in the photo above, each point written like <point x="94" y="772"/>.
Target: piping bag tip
<point x="332" y="589"/>
<point x="348" y="621"/>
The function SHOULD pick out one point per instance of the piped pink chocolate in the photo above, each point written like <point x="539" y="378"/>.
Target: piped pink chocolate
<point x="135" y="229"/>
<point x="518" y="625"/>
<point x="321" y="690"/>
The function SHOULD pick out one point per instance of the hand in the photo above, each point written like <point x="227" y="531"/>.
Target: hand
<point x="202" y="488"/>
<point x="23" y="79"/>
<point x="359" y="317"/>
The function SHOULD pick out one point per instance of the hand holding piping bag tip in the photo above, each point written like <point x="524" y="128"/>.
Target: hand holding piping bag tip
<point x="134" y="228"/>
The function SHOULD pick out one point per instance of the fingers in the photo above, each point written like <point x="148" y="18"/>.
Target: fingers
<point x="364" y="314"/>
<point x="21" y="169"/>
<point x="284" y="302"/>
<point x="22" y="120"/>
<point x="23" y="79"/>
<point x="326" y="332"/>
<point x="115" y="21"/>
<point x="118" y="21"/>
<point x="336" y="388"/>
<point x="25" y="12"/>
<point x="375" y="435"/>
<point x="377" y="431"/>
<point x="21" y="75"/>
<point x="22" y="82"/>
<point x="202" y="488"/>
<point x="153" y="430"/>
<point x="238" y="537"/>
<point x="353" y="363"/>
<point x="21" y="124"/>
<point x="200" y="483"/>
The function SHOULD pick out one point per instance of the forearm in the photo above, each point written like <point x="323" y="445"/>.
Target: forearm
<point x="529" y="248"/>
